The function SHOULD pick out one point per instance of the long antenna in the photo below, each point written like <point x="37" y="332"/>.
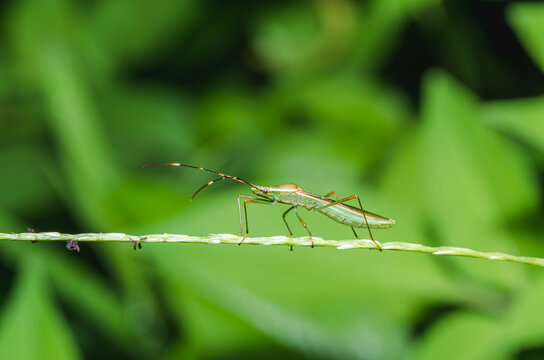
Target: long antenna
<point x="223" y="176"/>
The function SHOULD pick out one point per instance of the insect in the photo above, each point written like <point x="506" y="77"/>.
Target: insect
<point x="292" y="194"/>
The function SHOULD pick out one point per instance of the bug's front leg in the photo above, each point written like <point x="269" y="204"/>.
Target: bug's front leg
<point x="331" y="193"/>
<point x="249" y="199"/>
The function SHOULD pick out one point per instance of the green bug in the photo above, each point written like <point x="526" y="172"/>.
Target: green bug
<point x="294" y="195"/>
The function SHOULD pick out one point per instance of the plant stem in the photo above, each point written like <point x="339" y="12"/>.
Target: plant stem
<point x="274" y="240"/>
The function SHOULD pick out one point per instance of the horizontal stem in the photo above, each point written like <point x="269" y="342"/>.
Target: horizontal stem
<point x="274" y="240"/>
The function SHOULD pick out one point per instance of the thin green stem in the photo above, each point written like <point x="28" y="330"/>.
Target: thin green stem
<point x="274" y="240"/>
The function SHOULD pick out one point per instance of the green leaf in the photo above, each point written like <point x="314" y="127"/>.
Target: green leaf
<point x="522" y="326"/>
<point x="336" y="332"/>
<point x="360" y="118"/>
<point x="527" y="20"/>
<point x="137" y="119"/>
<point x="523" y="118"/>
<point x="467" y="166"/>
<point x="288" y="37"/>
<point x="44" y="37"/>
<point x="378" y="27"/>
<point x="24" y="166"/>
<point x="461" y="335"/>
<point x="228" y="335"/>
<point x="81" y="290"/>
<point x="126" y="31"/>
<point x="465" y="171"/>
<point x="31" y="327"/>
<point x="476" y="336"/>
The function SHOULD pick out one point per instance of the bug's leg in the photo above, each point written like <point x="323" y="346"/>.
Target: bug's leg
<point x="336" y="196"/>
<point x="328" y="195"/>
<point x="249" y="199"/>
<point x="354" y="233"/>
<point x="286" y="224"/>
<point x="361" y="206"/>
<point x="240" y="214"/>
<point x="304" y="224"/>
<point x="332" y="193"/>
<point x="240" y="211"/>
<point x="285" y="221"/>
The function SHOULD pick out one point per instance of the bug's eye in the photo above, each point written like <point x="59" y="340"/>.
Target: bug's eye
<point x="265" y="191"/>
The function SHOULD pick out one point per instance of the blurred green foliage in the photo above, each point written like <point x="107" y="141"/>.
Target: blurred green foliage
<point x="433" y="112"/>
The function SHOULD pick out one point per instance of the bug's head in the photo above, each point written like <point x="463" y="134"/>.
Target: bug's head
<point x="264" y="191"/>
<point x="273" y="192"/>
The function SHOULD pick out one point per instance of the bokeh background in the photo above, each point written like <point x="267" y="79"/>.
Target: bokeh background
<point x="432" y="111"/>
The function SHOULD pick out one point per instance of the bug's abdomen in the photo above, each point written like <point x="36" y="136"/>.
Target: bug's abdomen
<point x="342" y="213"/>
<point x="350" y="216"/>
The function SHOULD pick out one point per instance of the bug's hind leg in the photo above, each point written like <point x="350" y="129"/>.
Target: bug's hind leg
<point x="360" y="206"/>
<point x="358" y="238"/>
<point x="328" y="195"/>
